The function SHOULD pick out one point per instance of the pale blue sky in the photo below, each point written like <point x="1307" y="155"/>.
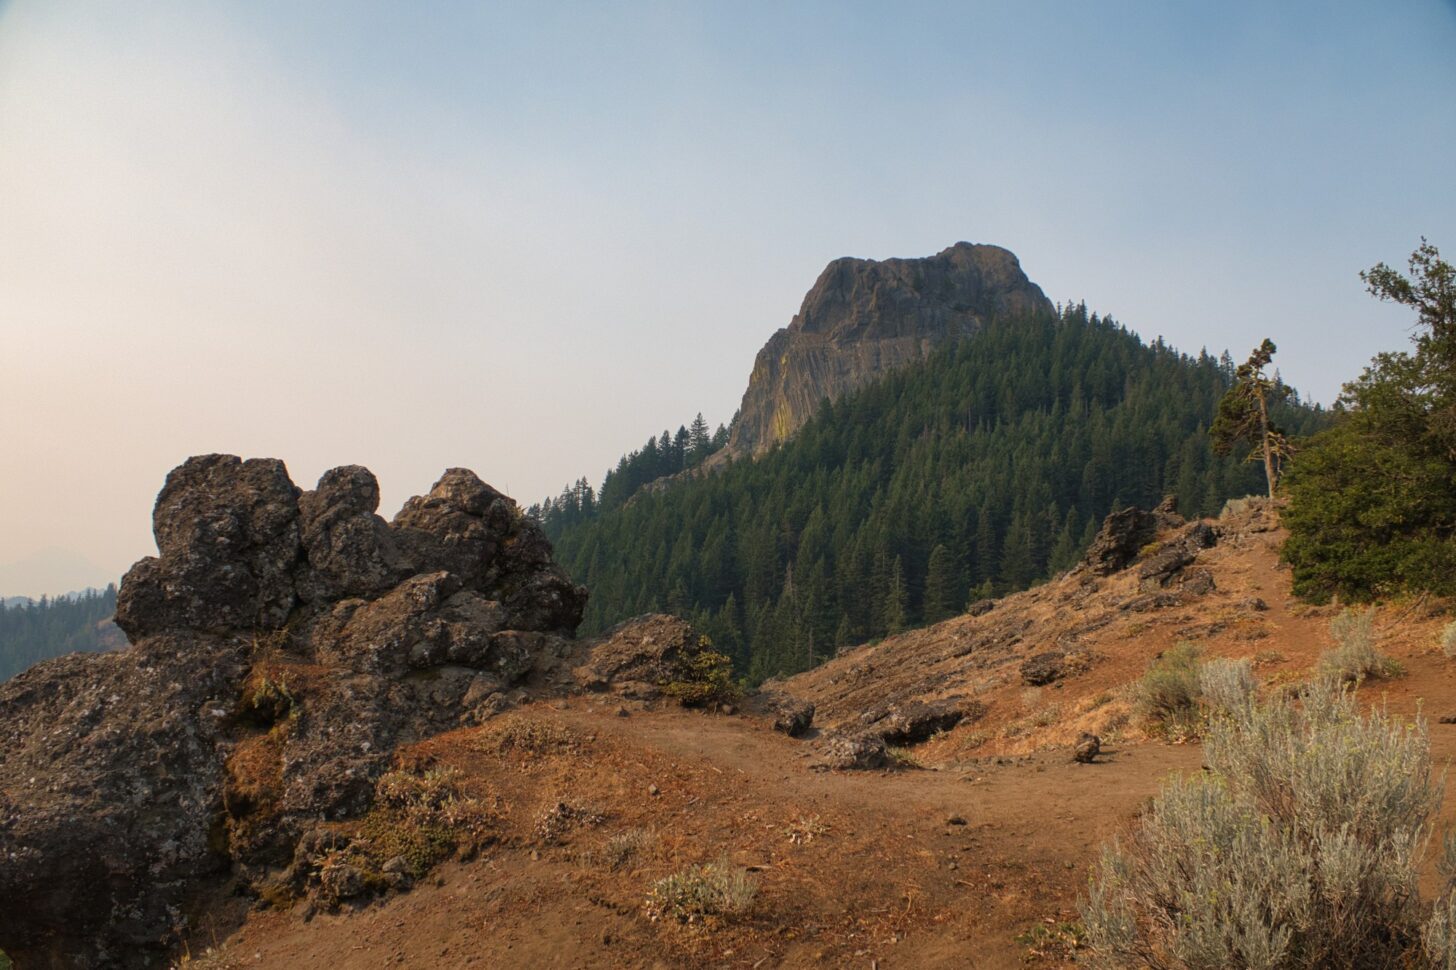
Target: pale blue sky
<point x="523" y="237"/>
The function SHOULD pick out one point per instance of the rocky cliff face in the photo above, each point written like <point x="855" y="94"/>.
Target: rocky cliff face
<point x="864" y="317"/>
<point x="285" y="645"/>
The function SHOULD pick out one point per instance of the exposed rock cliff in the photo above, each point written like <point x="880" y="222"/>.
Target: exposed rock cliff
<point x="864" y="317"/>
<point x="285" y="644"/>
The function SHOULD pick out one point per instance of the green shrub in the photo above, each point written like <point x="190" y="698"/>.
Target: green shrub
<point x="714" y="891"/>
<point x="1354" y="656"/>
<point x="703" y="679"/>
<point x="1298" y="850"/>
<point x="1168" y="693"/>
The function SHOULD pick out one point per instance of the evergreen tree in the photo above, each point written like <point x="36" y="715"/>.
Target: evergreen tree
<point x="897" y="601"/>
<point x="942" y="586"/>
<point x="700" y="442"/>
<point x="1373" y="499"/>
<point x="1243" y="415"/>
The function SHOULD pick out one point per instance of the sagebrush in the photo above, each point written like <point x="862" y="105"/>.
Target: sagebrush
<point x="1227" y="686"/>
<point x="1448" y="640"/>
<point x="1298" y="849"/>
<point x="712" y="891"/>
<point x="1354" y="657"/>
<point x="1168" y="693"/>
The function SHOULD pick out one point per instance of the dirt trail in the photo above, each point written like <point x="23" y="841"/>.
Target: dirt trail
<point x="888" y="880"/>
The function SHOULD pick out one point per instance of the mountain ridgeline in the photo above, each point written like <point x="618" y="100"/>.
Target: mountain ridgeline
<point x="982" y="470"/>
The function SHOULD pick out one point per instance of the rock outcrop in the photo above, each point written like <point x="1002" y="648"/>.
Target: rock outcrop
<point x="637" y="659"/>
<point x="285" y="644"/>
<point x="865" y="317"/>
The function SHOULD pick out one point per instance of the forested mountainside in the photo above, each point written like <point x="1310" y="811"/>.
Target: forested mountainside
<point x="32" y="631"/>
<point x="981" y="471"/>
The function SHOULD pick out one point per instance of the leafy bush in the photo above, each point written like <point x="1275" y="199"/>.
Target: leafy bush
<point x="1448" y="640"/>
<point x="714" y="891"/>
<point x="1299" y="850"/>
<point x="1168" y="693"/>
<point x="704" y="679"/>
<point x="1227" y="686"/>
<point x="1354" y="656"/>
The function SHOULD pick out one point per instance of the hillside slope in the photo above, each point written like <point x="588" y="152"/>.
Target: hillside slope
<point x="984" y="469"/>
<point x="974" y="858"/>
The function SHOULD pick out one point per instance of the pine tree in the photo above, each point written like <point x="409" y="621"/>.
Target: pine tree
<point x="1243" y="415"/>
<point x="942" y="586"/>
<point x="897" y="598"/>
<point x="700" y="443"/>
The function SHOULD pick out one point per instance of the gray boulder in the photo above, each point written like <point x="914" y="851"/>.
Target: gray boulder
<point x="227" y="531"/>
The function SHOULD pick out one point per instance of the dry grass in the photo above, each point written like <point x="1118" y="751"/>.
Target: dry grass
<point x="529" y="736"/>
<point x="710" y="893"/>
<point x="624" y="847"/>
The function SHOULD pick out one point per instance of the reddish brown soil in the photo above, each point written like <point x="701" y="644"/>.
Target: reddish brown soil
<point x="853" y="869"/>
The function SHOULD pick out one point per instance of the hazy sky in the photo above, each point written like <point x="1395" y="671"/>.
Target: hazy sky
<point x="522" y="237"/>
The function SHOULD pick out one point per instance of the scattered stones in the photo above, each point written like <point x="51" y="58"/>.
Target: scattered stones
<point x="1150" y="602"/>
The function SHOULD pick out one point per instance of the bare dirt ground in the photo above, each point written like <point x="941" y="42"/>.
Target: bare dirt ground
<point x="971" y="854"/>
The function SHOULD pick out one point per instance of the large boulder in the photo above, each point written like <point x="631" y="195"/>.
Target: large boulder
<point x="285" y="643"/>
<point x="350" y="549"/>
<point x="1117" y="543"/>
<point x="640" y="656"/>
<point x="852" y="752"/>
<point x="227" y="531"/>
<point x="1164" y="565"/>
<point x="458" y="527"/>
<point x="111" y="770"/>
<point x="912" y="722"/>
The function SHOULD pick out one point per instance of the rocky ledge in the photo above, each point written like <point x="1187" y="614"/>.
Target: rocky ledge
<point x="285" y="644"/>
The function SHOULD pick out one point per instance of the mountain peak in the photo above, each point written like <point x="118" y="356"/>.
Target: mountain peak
<point x="864" y="317"/>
